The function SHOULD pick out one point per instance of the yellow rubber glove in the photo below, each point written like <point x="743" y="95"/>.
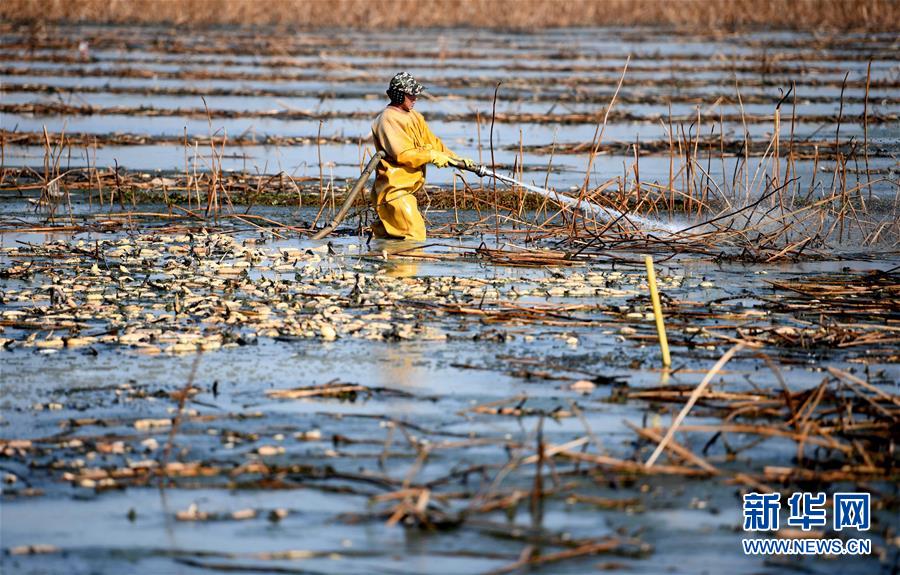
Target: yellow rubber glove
<point x="467" y="162"/>
<point x="440" y="159"/>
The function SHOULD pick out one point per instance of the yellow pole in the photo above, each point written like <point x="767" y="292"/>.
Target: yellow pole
<point x="657" y="312"/>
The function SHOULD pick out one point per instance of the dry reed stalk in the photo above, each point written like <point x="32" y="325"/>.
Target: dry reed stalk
<point x="695" y="155"/>
<point x="212" y="196"/>
<point x="258" y="227"/>
<point x="87" y="160"/>
<point x="187" y="173"/>
<point x="722" y="150"/>
<point x="671" y="164"/>
<point x="521" y="178"/>
<point x="118" y="188"/>
<point x="866" y="124"/>
<point x="704" y="202"/>
<point x="674" y="447"/>
<point x="47" y="155"/>
<point x="529" y="560"/>
<point x="865" y="385"/>
<point x="494" y="163"/>
<point x="97" y="174"/>
<point x="51" y="175"/>
<point x="693" y="399"/>
<point x="543" y="207"/>
<point x="537" y="492"/>
<point x="194" y="178"/>
<point x="455" y="207"/>
<point x="319" y="156"/>
<point x="221" y="179"/>
<point x="598" y="136"/>
<point x="775" y="154"/>
<point x="682" y="169"/>
<point x="789" y="164"/>
<point x="746" y="166"/>
<point x="637" y="172"/>
<point x="2" y="158"/>
<point x="704" y="198"/>
<point x="838" y="163"/>
<point x="65" y="187"/>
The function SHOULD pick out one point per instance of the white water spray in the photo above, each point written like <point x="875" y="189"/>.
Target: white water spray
<point x="598" y="212"/>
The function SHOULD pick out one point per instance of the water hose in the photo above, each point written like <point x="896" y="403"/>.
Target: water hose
<point x="601" y="213"/>
<point x="351" y="197"/>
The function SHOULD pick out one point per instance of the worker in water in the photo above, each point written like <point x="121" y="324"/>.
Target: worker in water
<point x="408" y="144"/>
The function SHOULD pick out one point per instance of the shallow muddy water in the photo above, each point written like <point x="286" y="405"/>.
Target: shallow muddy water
<point x="440" y="380"/>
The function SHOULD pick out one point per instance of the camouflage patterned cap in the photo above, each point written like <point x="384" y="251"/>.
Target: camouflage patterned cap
<point x="403" y="83"/>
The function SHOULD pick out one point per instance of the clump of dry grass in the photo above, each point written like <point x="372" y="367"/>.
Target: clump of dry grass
<point x="871" y="15"/>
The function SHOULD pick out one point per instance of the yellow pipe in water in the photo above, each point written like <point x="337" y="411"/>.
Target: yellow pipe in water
<point x="657" y="312"/>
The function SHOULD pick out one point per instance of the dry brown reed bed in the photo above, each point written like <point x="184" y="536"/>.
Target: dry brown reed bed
<point x="504" y="14"/>
<point x="813" y="417"/>
<point x="513" y="83"/>
<point x="724" y="146"/>
<point x="763" y="214"/>
<point x="760" y="232"/>
<point x="119" y="139"/>
<point x="800" y="64"/>
<point x="281" y="47"/>
<point x="55" y="109"/>
<point x="515" y="95"/>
